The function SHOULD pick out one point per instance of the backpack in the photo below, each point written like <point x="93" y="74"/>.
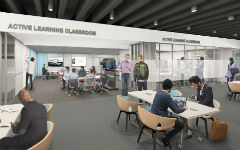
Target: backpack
<point x="142" y="71"/>
<point x="234" y="70"/>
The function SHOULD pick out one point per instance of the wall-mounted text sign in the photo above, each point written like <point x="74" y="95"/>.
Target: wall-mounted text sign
<point x="181" y="40"/>
<point x="51" y="29"/>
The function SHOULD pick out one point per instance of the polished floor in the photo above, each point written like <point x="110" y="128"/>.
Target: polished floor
<point x="89" y="122"/>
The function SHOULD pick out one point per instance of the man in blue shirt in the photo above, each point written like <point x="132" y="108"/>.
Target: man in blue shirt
<point x="73" y="74"/>
<point x="82" y="72"/>
<point x="162" y="101"/>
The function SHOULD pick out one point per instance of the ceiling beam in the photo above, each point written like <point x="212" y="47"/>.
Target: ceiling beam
<point x="38" y="5"/>
<point x="202" y="16"/>
<point x="104" y="9"/>
<point x="83" y="8"/>
<point x="127" y="8"/>
<point x="168" y="11"/>
<point x="62" y="8"/>
<point x="147" y="10"/>
<point x="13" y="6"/>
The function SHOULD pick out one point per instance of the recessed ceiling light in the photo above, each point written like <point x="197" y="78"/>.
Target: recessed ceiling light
<point x="214" y="31"/>
<point x="112" y="15"/>
<point x="189" y="28"/>
<point x="194" y="9"/>
<point x="235" y="34"/>
<point x="230" y="18"/>
<point x="50" y="5"/>
<point x="155" y="22"/>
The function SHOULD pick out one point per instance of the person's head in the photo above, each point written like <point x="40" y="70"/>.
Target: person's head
<point x="24" y="96"/>
<point x="91" y="70"/>
<point x="140" y="57"/>
<point x="82" y="68"/>
<point x="182" y="58"/>
<point x="231" y="61"/>
<point x="167" y="85"/>
<point x="32" y="59"/>
<point x="127" y="57"/>
<point x="196" y="82"/>
<point x="201" y="58"/>
<point x="73" y="70"/>
<point x="67" y="68"/>
<point x="103" y="71"/>
<point x="43" y="65"/>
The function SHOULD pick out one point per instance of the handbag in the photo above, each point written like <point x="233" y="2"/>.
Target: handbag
<point x="234" y="70"/>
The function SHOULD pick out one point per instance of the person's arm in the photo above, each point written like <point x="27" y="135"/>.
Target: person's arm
<point x="25" y="121"/>
<point x="174" y="107"/>
<point x="135" y="73"/>
<point x="207" y="97"/>
<point x="120" y="67"/>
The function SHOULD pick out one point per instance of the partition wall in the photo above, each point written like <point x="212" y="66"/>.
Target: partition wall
<point x="164" y="60"/>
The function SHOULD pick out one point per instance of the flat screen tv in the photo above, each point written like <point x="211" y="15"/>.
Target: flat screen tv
<point x="55" y="61"/>
<point x="108" y="63"/>
<point x="79" y="61"/>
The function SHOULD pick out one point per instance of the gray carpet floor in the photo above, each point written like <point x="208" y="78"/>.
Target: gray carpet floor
<point x="89" y="122"/>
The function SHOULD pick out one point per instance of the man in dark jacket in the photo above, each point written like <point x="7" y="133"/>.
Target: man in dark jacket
<point x="140" y="74"/>
<point x="45" y="71"/>
<point x="32" y="127"/>
<point x="204" y="96"/>
<point x="162" y="101"/>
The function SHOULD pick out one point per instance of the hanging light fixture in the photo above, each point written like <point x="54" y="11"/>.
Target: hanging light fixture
<point x="112" y="15"/>
<point x="230" y="18"/>
<point x="194" y="9"/>
<point x="50" y="5"/>
<point x="235" y="34"/>
<point x="189" y="28"/>
<point x="214" y="31"/>
<point x="155" y="22"/>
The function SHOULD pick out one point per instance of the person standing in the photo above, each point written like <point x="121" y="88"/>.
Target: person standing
<point x="65" y="77"/>
<point x="201" y="68"/>
<point x="45" y="71"/>
<point x="29" y="73"/>
<point x="182" y="70"/>
<point x="125" y="69"/>
<point x="230" y="73"/>
<point x="140" y="74"/>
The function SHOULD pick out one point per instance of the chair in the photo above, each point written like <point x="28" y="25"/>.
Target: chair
<point x="154" y="123"/>
<point x="72" y="87"/>
<point x="217" y="105"/>
<point x="127" y="107"/>
<point x="89" y="85"/>
<point x="49" y="108"/>
<point x="45" y="143"/>
<point x="235" y="88"/>
<point x="44" y="77"/>
<point x="105" y="86"/>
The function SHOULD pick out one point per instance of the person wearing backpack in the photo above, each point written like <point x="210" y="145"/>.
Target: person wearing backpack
<point x="140" y="74"/>
<point x="231" y="71"/>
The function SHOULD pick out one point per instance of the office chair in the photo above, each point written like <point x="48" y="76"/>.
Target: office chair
<point x="44" y="77"/>
<point x="105" y="86"/>
<point x="72" y="87"/>
<point x="89" y="85"/>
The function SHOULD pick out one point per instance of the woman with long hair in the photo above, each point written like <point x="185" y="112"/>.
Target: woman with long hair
<point x="230" y="76"/>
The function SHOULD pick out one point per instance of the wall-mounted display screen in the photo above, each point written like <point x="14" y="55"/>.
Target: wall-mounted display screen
<point x="108" y="63"/>
<point x="55" y="61"/>
<point x="79" y="61"/>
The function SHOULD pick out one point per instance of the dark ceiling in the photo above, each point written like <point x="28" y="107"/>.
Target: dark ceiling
<point x="170" y="15"/>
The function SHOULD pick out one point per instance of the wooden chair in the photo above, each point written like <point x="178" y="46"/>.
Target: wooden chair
<point x="127" y="107"/>
<point x="45" y="143"/>
<point x="49" y="108"/>
<point x="235" y="88"/>
<point x="154" y="123"/>
<point x="217" y="105"/>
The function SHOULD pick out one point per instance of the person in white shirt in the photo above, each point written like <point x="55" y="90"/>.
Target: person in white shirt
<point x="29" y="72"/>
<point x="182" y="70"/>
<point x="65" y="77"/>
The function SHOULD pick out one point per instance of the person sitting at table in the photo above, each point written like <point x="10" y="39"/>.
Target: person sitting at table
<point x="65" y="77"/>
<point x="45" y="71"/>
<point x="82" y="72"/>
<point x="32" y="127"/>
<point x="162" y="101"/>
<point x="103" y="77"/>
<point x="94" y="69"/>
<point x="73" y="74"/>
<point x="204" y="96"/>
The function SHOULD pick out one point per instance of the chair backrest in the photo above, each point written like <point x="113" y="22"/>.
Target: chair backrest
<point x="104" y="79"/>
<point x="235" y="87"/>
<point x="217" y="105"/>
<point x="45" y="143"/>
<point x="73" y="83"/>
<point x="126" y="105"/>
<point x="155" y="122"/>
<point x="89" y="81"/>
<point x="49" y="108"/>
